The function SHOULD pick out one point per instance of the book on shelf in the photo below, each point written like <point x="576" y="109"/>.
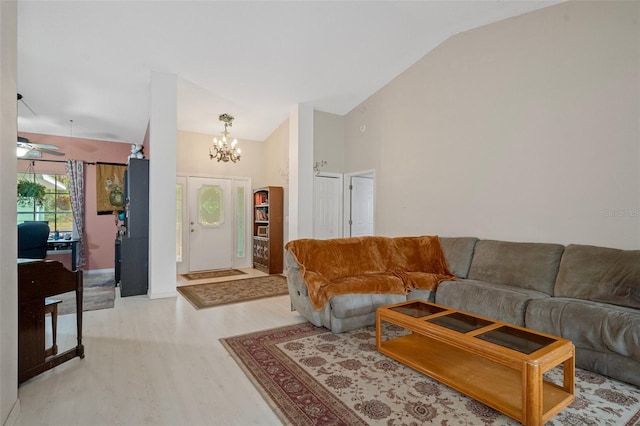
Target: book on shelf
<point x="261" y="198"/>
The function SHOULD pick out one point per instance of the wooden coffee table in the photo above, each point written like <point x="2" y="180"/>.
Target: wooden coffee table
<point x="498" y="364"/>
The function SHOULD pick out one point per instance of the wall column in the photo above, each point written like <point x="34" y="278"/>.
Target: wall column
<point x="301" y="172"/>
<point x="163" y="141"/>
<point x="9" y="404"/>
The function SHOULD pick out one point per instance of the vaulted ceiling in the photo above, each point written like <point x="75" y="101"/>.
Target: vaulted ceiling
<point x="91" y="61"/>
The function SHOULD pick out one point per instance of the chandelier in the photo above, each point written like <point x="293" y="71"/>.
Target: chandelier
<point x="221" y="149"/>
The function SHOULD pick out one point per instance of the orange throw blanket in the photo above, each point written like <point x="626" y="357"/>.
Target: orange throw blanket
<point x="369" y="265"/>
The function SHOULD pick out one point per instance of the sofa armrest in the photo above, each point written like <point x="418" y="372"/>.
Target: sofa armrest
<point x="293" y="274"/>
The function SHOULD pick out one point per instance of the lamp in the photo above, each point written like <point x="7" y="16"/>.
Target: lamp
<point x="221" y="150"/>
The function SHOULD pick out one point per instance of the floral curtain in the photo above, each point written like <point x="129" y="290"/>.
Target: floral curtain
<point x="75" y="176"/>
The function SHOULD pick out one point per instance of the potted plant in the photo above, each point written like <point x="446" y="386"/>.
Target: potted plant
<point x="29" y="191"/>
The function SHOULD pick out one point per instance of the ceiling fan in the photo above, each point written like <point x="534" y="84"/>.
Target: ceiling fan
<point x="27" y="149"/>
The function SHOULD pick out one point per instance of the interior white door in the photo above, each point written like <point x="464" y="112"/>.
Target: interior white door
<point x="327" y="206"/>
<point x="210" y="224"/>
<point x="361" y="206"/>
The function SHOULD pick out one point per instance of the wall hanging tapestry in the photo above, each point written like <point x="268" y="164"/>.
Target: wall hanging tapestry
<point x="110" y="187"/>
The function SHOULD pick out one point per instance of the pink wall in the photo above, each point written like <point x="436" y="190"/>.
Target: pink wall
<point x="100" y="230"/>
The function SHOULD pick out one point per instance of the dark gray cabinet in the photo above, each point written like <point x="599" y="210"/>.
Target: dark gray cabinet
<point x="134" y="244"/>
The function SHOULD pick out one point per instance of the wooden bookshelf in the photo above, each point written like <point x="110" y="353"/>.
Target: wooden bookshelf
<point x="267" y="229"/>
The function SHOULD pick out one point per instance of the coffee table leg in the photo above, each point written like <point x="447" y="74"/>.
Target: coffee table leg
<point x="533" y="392"/>
<point x="569" y="372"/>
<point x="378" y="331"/>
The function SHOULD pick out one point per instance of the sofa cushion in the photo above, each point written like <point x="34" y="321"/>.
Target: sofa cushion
<point x="497" y="301"/>
<point x="590" y="325"/>
<point x="322" y="289"/>
<point x="458" y="252"/>
<point x="600" y="274"/>
<point x="353" y="305"/>
<point x="341" y="257"/>
<point x="530" y="266"/>
<point x="416" y="254"/>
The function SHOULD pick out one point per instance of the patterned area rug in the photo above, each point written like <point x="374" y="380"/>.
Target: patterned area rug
<point x="310" y="376"/>
<point x="212" y="274"/>
<point x="99" y="293"/>
<point x="226" y="292"/>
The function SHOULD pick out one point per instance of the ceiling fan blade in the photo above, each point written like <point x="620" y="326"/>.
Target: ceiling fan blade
<point x="26" y="144"/>
<point x="31" y="154"/>
<point x="43" y="146"/>
<point x="49" y="151"/>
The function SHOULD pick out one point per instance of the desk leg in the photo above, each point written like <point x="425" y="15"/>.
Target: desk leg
<point x="73" y="255"/>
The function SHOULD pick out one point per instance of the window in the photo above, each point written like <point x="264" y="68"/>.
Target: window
<point x="56" y="208"/>
<point x="240" y="222"/>
<point x="210" y="205"/>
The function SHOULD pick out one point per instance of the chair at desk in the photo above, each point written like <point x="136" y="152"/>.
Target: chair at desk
<point x="32" y="240"/>
<point x="32" y="244"/>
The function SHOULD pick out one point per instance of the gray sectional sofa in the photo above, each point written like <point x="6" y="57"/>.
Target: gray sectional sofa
<point x="588" y="294"/>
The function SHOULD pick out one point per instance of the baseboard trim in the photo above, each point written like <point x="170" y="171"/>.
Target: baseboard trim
<point x="12" y="418"/>
<point x="162" y="295"/>
<point x="99" y="271"/>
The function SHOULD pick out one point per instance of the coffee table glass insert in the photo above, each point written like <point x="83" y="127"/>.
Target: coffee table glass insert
<point x="460" y="322"/>
<point x="418" y="309"/>
<point x="516" y="339"/>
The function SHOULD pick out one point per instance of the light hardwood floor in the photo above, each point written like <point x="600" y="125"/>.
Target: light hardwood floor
<point x="155" y="362"/>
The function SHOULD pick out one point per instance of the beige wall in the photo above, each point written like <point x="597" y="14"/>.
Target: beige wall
<point x="276" y="157"/>
<point x="523" y="130"/>
<point x="277" y="166"/>
<point x="193" y="158"/>
<point x="328" y="141"/>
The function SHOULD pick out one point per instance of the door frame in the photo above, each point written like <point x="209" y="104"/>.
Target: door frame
<point x="245" y="262"/>
<point x="346" y="226"/>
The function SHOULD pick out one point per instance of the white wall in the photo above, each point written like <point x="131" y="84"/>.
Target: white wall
<point x="523" y="130"/>
<point x="9" y="405"/>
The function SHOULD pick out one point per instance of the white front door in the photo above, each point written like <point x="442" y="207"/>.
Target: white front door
<point x="327" y="206"/>
<point x="210" y="224"/>
<point x="361" y="206"/>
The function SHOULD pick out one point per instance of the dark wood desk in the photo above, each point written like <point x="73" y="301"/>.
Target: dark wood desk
<point x="37" y="280"/>
<point x="56" y="245"/>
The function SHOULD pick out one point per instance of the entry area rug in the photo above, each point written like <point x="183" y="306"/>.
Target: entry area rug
<point x="99" y="292"/>
<point x="310" y="376"/>
<point x="203" y="275"/>
<point x="235" y="291"/>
